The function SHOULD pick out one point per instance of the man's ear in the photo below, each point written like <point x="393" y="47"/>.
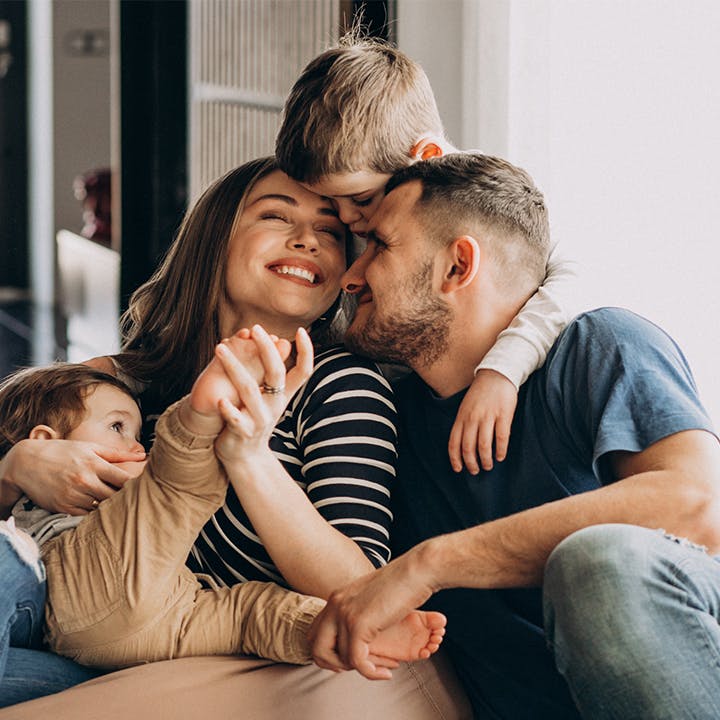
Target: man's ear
<point x="43" y="432"/>
<point x="427" y="147"/>
<point x="462" y="263"/>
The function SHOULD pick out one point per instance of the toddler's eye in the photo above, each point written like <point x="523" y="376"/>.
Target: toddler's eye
<point x="117" y="427"/>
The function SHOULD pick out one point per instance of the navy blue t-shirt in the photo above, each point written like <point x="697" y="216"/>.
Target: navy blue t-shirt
<point x="612" y="381"/>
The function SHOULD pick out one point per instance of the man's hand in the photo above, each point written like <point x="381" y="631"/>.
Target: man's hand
<point x="342" y="635"/>
<point x="485" y="414"/>
<point x="65" y="475"/>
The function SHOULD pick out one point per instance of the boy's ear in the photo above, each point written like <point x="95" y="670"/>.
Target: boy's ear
<point x="426" y="148"/>
<point x="43" y="432"/>
<point x="462" y="263"/>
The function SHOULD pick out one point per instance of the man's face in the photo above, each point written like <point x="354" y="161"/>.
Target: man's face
<point x="400" y="317"/>
<point x="357" y="195"/>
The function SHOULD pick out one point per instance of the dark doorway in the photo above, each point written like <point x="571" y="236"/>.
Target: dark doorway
<point x="153" y="108"/>
<point x="13" y="146"/>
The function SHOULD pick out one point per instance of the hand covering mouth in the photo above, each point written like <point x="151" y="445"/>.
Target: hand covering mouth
<point x="300" y="269"/>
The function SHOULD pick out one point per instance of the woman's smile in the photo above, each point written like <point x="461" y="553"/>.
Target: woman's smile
<point x="297" y="270"/>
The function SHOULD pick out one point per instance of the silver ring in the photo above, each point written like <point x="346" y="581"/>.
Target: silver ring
<point x="95" y="503"/>
<point x="273" y="390"/>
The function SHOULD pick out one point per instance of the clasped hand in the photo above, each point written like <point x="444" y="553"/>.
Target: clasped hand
<point x="232" y="391"/>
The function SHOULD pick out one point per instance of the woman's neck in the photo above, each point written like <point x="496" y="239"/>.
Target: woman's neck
<point x="230" y="323"/>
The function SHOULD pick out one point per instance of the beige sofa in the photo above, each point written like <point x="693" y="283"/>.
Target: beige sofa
<point x="227" y="688"/>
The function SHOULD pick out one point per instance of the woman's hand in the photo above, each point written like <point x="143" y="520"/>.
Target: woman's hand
<point x="63" y="475"/>
<point x="251" y="412"/>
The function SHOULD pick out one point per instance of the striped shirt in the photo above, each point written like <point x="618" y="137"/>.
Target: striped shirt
<point x="337" y="440"/>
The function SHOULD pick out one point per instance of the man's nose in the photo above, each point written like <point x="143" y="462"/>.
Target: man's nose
<point x="353" y="281"/>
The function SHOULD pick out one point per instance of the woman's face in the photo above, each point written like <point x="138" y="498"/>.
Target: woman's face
<point x="285" y="258"/>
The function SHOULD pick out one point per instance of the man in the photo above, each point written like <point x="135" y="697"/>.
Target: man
<point x="609" y="442"/>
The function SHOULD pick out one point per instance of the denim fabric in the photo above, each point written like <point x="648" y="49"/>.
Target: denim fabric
<point x="26" y="671"/>
<point x="31" y="674"/>
<point x="632" y="616"/>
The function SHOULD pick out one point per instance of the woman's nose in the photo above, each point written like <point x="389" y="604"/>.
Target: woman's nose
<point x="304" y="239"/>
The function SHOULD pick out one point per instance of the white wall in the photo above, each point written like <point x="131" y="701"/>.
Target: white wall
<point x="614" y="108"/>
<point x="429" y="31"/>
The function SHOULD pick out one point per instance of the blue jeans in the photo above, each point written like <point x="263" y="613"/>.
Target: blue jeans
<point x="632" y="616"/>
<point x="27" y="671"/>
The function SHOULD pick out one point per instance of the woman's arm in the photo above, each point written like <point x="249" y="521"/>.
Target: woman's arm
<point x="336" y="526"/>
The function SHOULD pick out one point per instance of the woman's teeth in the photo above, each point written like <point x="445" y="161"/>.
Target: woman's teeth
<point x="295" y="272"/>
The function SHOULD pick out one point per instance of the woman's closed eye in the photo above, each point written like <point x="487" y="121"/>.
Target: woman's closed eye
<point x="274" y="215"/>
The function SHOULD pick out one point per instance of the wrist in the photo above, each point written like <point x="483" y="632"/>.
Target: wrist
<point x="196" y="422"/>
<point x="249" y="464"/>
<point x="426" y="563"/>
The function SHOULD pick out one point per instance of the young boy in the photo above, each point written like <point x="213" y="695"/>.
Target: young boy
<point x="118" y="591"/>
<point x="359" y="112"/>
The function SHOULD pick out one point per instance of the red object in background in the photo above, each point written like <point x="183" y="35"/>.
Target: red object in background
<point x="93" y="190"/>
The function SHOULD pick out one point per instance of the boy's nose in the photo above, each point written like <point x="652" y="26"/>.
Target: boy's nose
<point x="348" y="212"/>
<point x="136" y="447"/>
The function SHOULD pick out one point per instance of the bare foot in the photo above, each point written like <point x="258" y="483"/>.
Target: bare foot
<point x="416" y="637"/>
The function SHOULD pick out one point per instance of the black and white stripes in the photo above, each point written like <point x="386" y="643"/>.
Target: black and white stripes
<point x="337" y="440"/>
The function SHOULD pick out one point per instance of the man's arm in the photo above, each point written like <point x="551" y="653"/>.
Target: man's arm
<point x="674" y="484"/>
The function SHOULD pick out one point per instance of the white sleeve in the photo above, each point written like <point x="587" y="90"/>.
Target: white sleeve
<point x="521" y="348"/>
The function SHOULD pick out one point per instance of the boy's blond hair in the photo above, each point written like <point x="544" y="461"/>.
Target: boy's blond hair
<point x="359" y="106"/>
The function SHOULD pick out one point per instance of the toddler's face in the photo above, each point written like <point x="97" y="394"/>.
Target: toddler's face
<point x="357" y="195"/>
<point x="112" y="418"/>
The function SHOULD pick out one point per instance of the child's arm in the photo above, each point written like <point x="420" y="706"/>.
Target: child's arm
<point x="487" y="410"/>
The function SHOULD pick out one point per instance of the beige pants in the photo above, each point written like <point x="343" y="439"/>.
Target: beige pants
<point x="228" y="688"/>
<point x="119" y="592"/>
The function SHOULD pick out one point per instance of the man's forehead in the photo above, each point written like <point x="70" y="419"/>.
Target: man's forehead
<point x="399" y="202"/>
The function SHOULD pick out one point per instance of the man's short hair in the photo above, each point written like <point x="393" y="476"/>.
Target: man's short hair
<point x="53" y="395"/>
<point x="467" y="193"/>
<point x="358" y="106"/>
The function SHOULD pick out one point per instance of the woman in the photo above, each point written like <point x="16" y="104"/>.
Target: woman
<point x="257" y="248"/>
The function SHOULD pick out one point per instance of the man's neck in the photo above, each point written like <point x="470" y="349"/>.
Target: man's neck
<point x="455" y="370"/>
<point x="468" y="343"/>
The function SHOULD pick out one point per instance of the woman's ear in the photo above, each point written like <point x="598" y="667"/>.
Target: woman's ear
<point x="462" y="263"/>
<point x="43" y="432"/>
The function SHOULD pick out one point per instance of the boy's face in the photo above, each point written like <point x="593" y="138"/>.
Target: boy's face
<point x="357" y="195"/>
<point x="112" y="418"/>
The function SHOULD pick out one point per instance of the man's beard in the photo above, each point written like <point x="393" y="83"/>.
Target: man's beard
<point x="417" y="334"/>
